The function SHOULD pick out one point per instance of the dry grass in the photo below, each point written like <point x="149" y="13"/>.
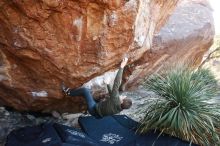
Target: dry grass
<point x="213" y="63"/>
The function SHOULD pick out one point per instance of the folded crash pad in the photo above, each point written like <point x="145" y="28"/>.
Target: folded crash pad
<point x="68" y="144"/>
<point x="117" y="130"/>
<point x="126" y="121"/>
<point x="125" y="127"/>
<point x="49" y="135"/>
<point x="41" y="135"/>
<point x="107" y="131"/>
<point x="70" y="135"/>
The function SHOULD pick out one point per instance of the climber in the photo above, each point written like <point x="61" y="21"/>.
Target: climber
<point x="111" y="105"/>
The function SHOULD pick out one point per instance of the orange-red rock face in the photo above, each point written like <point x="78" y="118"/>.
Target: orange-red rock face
<point x="186" y="36"/>
<point x="45" y="42"/>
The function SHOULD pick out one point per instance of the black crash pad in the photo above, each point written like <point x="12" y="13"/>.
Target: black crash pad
<point x="107" y="131"/>
<point x="117" y="130"/>
<point x="41" y="135"/>
<point x="74" y="136"/>
<point x="124" y="127"/>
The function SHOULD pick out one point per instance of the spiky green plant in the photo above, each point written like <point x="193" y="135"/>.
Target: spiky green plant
<point x="184" y="107"/>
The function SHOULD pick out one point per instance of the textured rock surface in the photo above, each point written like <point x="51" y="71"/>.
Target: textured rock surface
<point x="46" y="41"/>
<point x="186" y="36"/>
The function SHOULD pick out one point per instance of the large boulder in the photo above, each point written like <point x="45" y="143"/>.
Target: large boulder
<point x="186" y="37"/>
<point x="45" y="42"/>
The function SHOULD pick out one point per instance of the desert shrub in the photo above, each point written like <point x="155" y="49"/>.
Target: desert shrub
<point x="183" y="105"/>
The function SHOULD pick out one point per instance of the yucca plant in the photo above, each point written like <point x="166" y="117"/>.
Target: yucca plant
<point x="184" y="107"/>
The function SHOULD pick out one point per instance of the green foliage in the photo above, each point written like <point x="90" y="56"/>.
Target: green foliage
<point x="184" y="105"/>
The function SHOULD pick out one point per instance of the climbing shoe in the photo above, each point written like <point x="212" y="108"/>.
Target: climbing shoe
<point x="65" y="89"/>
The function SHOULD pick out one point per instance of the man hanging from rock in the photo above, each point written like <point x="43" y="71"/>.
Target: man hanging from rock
<point x="111" y="105"/>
